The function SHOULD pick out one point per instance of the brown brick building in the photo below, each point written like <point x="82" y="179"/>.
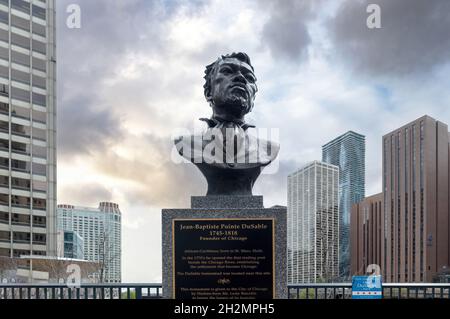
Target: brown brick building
<point x="415" y="223"/>
<point x="366" y="234"/>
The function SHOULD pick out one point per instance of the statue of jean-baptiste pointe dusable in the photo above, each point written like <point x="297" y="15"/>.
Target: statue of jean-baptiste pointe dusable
<point x="230" y="159"/>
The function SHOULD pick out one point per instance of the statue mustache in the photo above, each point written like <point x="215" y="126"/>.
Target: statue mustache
<point x="240" y="87"/>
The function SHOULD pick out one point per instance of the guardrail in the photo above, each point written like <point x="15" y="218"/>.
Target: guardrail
<point x="154" y="291"/>
<point x="390" y="291"/>
<point x="85" y="291"/>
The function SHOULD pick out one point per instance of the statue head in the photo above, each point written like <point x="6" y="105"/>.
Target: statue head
<point x="230" y="86"/>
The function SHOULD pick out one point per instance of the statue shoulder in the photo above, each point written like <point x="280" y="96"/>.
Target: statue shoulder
<point x="268" y="150"/>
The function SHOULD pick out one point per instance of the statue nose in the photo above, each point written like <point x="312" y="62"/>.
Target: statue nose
<point x="240" y="78"/>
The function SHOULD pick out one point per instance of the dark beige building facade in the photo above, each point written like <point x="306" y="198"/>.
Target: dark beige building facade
<point x="366" y="234"/>
<point x="415" y="242"/>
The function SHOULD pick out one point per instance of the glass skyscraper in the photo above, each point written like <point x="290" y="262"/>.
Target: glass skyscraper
<point x="27" y="128"/>
<point x="70" y="245"/>
<point x="348" y="152"/>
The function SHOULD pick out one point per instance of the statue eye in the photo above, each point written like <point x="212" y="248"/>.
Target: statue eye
<point x="226" y="71"/>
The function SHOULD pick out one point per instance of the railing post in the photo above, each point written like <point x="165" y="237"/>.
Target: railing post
<point x="138" y="292"/>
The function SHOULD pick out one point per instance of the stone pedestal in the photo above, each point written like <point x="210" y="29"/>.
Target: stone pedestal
<point x="224" y="247"/>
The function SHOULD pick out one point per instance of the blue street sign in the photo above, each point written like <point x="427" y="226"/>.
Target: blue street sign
<point x="367" y="287"/>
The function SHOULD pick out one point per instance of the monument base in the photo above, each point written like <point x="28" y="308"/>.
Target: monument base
<point x="224" y="247"/>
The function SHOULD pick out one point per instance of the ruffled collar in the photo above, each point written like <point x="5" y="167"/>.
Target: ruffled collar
<point x="216" y="121"/>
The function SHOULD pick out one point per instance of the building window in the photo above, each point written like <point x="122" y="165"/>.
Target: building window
<point x="21" y="220"/>
<point x="4" y="17"/>
<point x="4" y="145"/>
<point x="21" y="5"/>
<point x="39" y="186"/>
<point x="20" y="112"/>
<point x="4" y="181"/>
<point x="39" y="12"/>
<point x="40" y="117"/>
<point x="39" y="134"/>
<point x="39" y="29"/>
<point x="20" y="94"/>
<point x="4" y="35"/>
<point x="20" y="166"/>
<point x="39" y="239"/>
<point x="21" y="130"/>
<point x="4" y="163"/>
<point x="39" y="152"/>
<point x="39" y="99"/>
<point x="20" y="148"/>
<point x="39" y="204"/>
<point x="20" y="237"/>
<point x="4" y="217"/>
<point x="40" y="47"/>
<point x="4" y="107"/>
<point x="4" y="73"/>
<point x="20" y="201"/>
<point x="20" y="183"/>
<point x="5" y="236"/>
<point x="4" y="127"/>
<point x="39" y="64"/>
<point x="20" y="23"/>
<point x="4" y="53"/>
<point x="20" y="58"/>
<point x="19" y="76"/>
<point x="39" y="82"/>
<point x="20" y="41"/>
<point x="39" y="169"/>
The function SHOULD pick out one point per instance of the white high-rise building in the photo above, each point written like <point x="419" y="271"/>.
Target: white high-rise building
<point x="100" y="229"/>
<point x="27" y="128"/>
<point x="313" y="224"/>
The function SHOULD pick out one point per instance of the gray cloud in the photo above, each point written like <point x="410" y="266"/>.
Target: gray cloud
<point x="158" y="181"/>
<point x="286" y="32"/>
<point x="83" y="130"/>
<point x="274" y="186"/>
<point x="85" y="195"/>
<point x="91" y="56"/>
<point x="86" y="57"/>
<point x="414" y="37"/>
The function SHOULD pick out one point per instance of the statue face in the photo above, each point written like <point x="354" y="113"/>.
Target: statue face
<point x="233" y="89"/>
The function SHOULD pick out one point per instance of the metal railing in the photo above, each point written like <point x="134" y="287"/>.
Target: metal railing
<point x="390" y="291"/>
<point x="416" y="291"/>
<point x="85" y="291"/>
<point x="154" y="291"/>
<point x="320" y="291"/>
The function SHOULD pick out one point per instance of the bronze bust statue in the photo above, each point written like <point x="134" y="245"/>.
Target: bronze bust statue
<point x="228" y="156"/>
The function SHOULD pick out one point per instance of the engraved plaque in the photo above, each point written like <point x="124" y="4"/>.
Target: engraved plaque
<point x="223" y="258"/>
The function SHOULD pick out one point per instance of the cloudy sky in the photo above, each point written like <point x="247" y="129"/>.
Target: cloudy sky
<point x="133" y="73"/>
